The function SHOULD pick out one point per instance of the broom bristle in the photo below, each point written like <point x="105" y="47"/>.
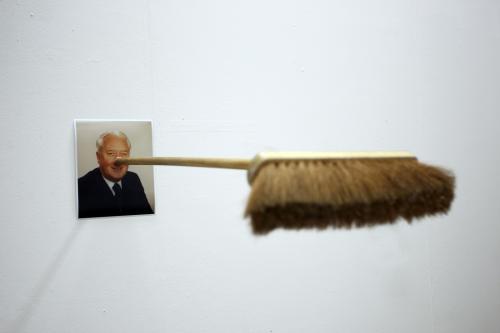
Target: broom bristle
<point x="346" y="193"/>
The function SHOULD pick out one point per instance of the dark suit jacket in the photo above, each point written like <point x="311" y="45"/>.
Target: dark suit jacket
<point x="96" y="199"/>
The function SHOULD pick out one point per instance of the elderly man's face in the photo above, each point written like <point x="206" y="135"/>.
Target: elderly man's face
<point x="112" y="148"/>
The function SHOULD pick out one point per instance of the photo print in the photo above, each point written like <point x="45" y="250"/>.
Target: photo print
<point x="103" y="188"/>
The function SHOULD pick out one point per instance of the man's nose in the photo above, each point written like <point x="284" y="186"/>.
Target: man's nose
<point x="115" y="158"/>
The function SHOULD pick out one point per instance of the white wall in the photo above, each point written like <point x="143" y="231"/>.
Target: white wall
<point x="231" y="78"/>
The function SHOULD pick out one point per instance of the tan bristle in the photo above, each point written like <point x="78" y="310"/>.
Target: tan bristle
<point x="346" y="193"/>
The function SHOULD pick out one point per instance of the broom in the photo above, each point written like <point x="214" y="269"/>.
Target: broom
<point x="342" y="190"/>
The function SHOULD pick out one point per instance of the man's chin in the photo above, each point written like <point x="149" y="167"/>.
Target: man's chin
<point x="113" y="176"/>
<point x="119" y="177"/>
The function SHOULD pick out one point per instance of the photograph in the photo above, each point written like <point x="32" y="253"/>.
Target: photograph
<point x="104" y="188"/>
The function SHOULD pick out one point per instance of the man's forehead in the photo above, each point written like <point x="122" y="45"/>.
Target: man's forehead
<point x="113" y="140"/>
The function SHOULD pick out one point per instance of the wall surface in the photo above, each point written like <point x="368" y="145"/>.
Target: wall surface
<point x="231" y="78"/>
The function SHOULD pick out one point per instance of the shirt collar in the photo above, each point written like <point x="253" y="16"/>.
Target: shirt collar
<point x="111" y="184"/>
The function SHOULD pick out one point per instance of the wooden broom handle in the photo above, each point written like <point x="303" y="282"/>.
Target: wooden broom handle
<point x="253" y="164"/>
<point x="225" y="163"/>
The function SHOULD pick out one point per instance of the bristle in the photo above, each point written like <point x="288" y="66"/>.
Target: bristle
<point x="346" y="193"/>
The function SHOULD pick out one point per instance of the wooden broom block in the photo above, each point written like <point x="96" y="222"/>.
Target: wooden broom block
<point x="266" y="157"/>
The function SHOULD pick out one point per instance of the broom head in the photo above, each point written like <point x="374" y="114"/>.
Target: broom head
<point x="343" y="190"/>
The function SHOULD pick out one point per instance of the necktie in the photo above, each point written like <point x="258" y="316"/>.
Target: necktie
<point x="118" y="195"/>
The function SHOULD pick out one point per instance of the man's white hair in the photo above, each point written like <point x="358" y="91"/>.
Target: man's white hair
<point x="120" y="134"/>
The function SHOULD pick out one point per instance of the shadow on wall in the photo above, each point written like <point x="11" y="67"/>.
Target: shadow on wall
<point x="40" y="287"/>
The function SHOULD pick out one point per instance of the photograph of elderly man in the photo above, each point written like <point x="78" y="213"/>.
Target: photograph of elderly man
<point x="111" y="190"/>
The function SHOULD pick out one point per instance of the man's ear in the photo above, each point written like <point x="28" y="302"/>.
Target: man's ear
<point x="97" y="156"/>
